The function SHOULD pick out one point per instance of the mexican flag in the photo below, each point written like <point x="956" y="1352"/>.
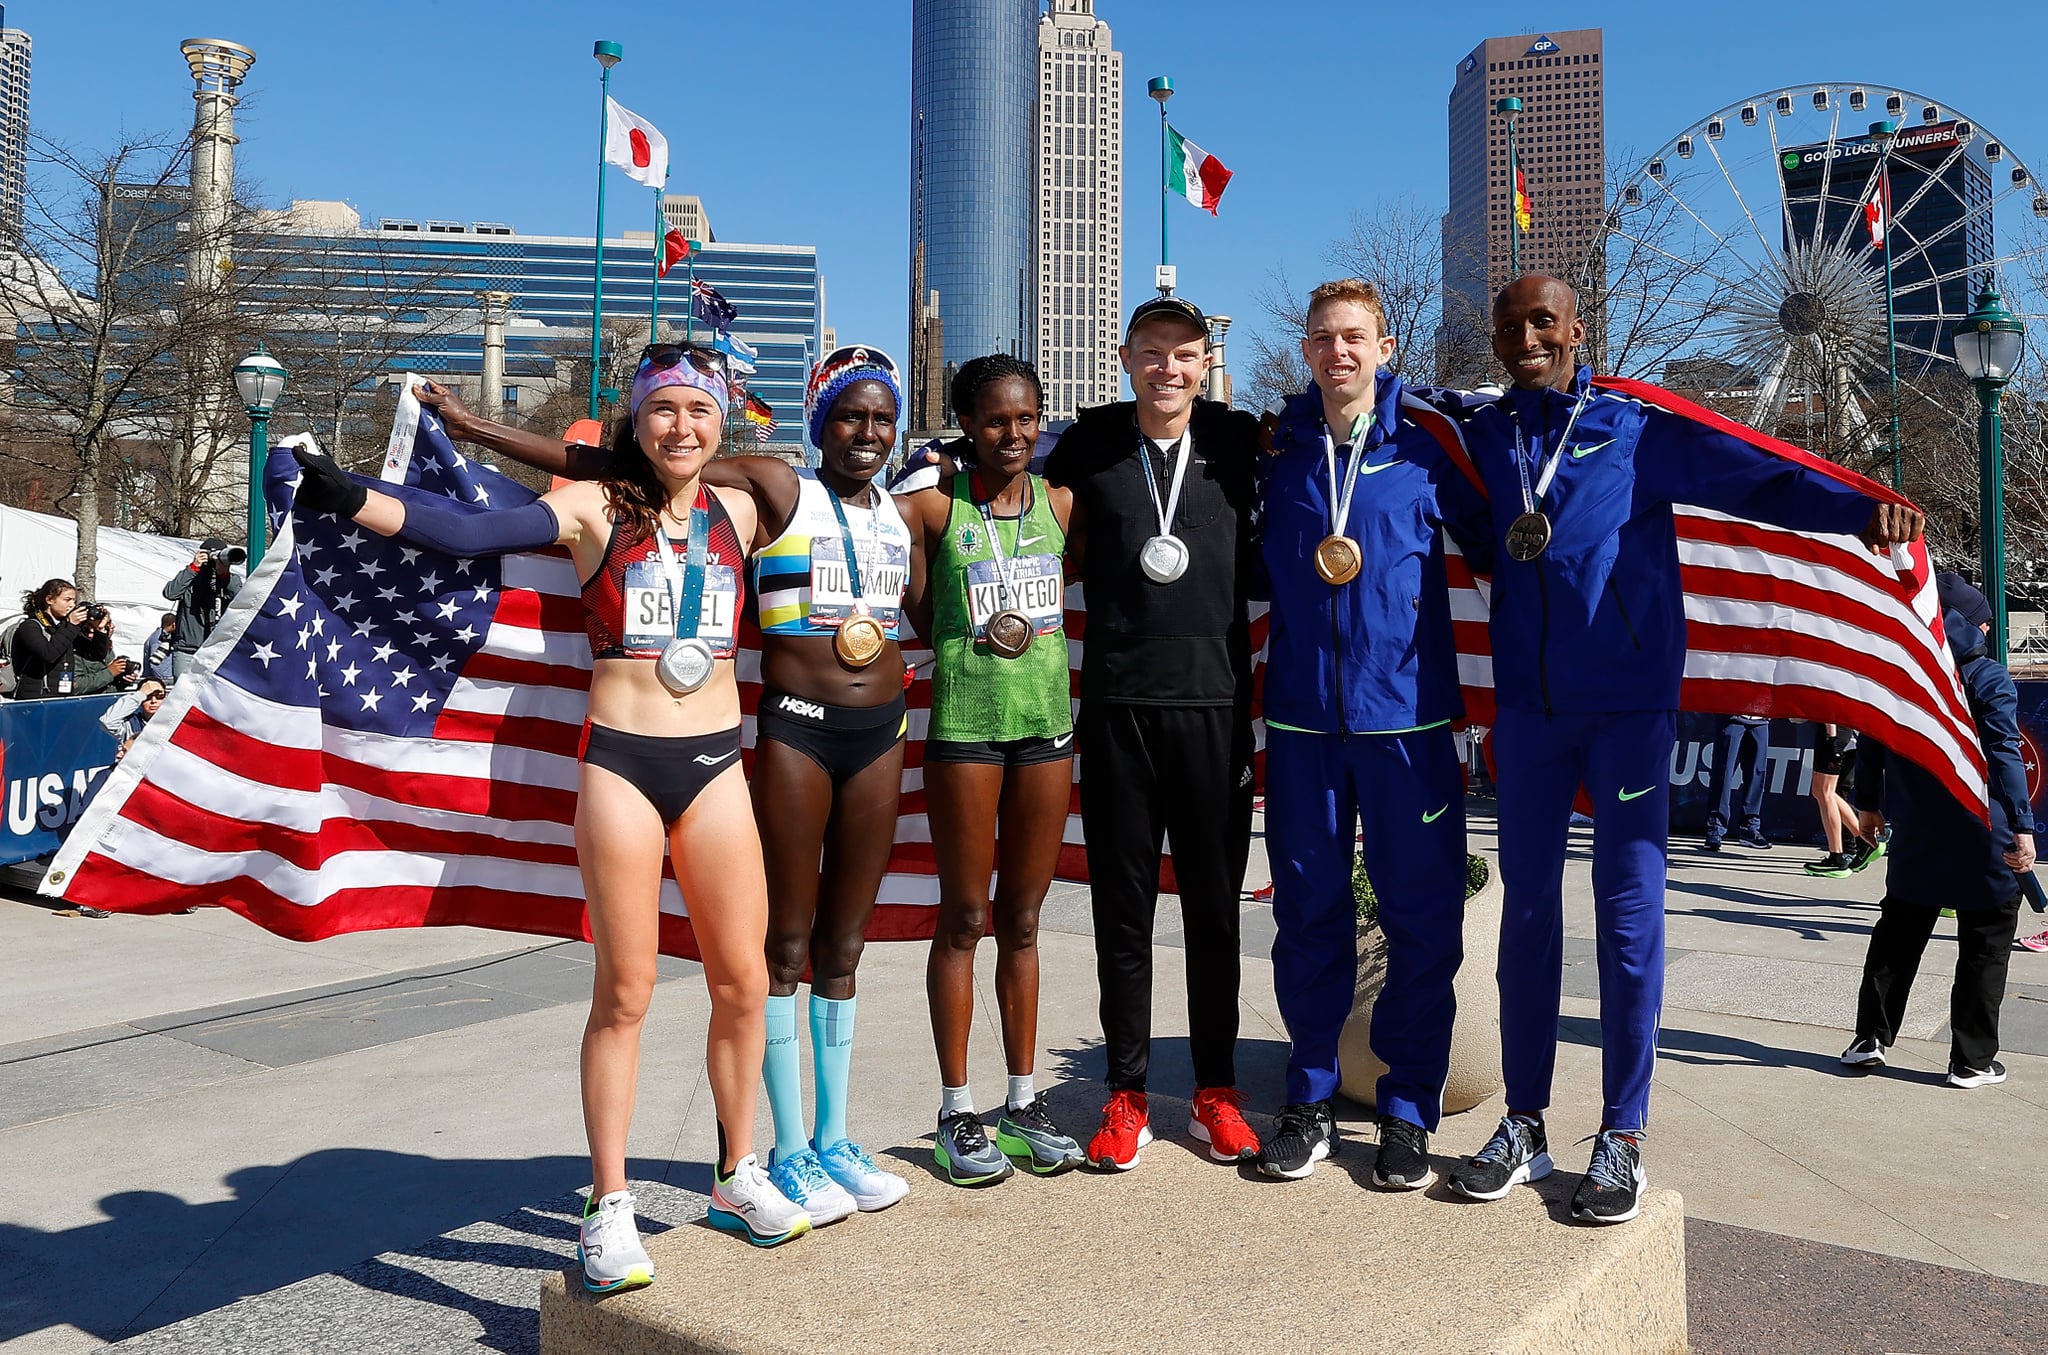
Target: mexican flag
<point x="1194" y="173"/>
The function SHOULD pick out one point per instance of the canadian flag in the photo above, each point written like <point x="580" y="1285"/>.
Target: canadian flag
<point x="1877" y="211"/>
<point x="632" y="143"/>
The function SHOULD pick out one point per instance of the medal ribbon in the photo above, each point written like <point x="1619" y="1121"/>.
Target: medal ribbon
<point x="1178" y="452"/>
<point x="686" y="586"/>
<point x="860" y="597"/>
<point x="1530" y="501"/>
<point x="1341" y="511"/>
<point x="1006" y="569"/>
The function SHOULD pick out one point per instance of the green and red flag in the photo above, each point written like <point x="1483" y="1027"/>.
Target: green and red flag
<point x="1194" y="173"/>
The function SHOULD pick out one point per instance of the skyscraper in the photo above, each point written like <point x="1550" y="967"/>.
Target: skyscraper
<point x="1560" y="140"/>
<point x="972" y="118"/>
<point x="14" y="54"/>
<point x="1077" y="266"/>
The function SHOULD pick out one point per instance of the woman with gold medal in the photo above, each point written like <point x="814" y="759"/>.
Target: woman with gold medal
<point x="830" y="560"/>
<point x="987" y="589"/>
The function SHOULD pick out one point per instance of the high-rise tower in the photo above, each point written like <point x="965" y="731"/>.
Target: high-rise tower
<point x="14" y="55"/>
<point x="972" y="116"/>
<point x="1560" y="140"/>
<point x="1077" y="265"/>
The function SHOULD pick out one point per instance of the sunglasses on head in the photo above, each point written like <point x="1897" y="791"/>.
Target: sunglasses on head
<point x="664" y="355"/>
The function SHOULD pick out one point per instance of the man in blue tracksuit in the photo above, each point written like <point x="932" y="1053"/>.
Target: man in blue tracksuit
<point x="1361" y="689"/>
<point x="1588" y="632"/>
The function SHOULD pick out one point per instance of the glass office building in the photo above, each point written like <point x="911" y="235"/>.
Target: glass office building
<point x="973" y="87"/>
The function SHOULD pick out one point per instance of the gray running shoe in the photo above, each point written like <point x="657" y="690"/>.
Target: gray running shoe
<point x="1028" y="1134"/>
<point x="1518" y="1152"/>
<point x="964" y="1153"/>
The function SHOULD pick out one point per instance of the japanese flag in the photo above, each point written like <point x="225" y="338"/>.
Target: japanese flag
<point x="632" y="143"/>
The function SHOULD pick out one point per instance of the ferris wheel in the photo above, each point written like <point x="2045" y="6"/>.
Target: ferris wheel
<point x="1741" y="262"/>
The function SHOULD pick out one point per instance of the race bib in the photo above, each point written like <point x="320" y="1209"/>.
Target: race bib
<point x="884" y="574"/>
<point x="650" y="620"/>
<point x="1035" y="589"/>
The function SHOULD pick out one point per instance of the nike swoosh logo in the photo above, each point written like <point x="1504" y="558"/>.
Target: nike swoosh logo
<point x="714" y="761"/>
<point x="1432" y="818"/>
<point x="1030" y="541"/>
<point x="1063" y="740"/>
<point x="1588" y="450"/>
<point x="1368" y="469"/>
<point x="1628" y="795"/>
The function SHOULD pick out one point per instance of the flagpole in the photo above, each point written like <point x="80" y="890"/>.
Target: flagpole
<point x="1160" y="87"/>
<point x="1885" y="131"/>
<point x="690" y="305"/>
<point x="654" y="284"/>
<point x="608" y="55"/>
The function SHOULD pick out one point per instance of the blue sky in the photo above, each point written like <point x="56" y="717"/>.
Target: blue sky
<point x="789" y="118"/>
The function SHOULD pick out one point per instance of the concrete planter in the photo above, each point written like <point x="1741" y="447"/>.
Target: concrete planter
<point x="1475" y="1035"/>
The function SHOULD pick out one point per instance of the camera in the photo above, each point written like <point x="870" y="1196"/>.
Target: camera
<point x="234" y="555"/>
<point x="95" y="611"/>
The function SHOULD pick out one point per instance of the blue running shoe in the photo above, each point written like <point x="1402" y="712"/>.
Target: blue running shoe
<point x="871" y="1188"/>
<point x="802" y="1178"/>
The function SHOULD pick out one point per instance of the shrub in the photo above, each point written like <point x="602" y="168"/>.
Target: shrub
<point x="1476" y="875"/>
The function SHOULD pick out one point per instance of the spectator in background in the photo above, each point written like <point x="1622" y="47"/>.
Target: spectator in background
<point x="126" y="717"/>
<point x="96" y="669"/>
<point x="1944" y="856"/>
<point x="1832" y="750"/>
<point x="1735" y="731"/>
<point x="201" y="590"/>
<point x="156" y="655"/>
<point x="52" y="638"/>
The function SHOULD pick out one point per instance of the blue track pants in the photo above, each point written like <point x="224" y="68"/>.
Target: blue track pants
<point x="1624" y="761"/>
<point x="1408" y="791"/>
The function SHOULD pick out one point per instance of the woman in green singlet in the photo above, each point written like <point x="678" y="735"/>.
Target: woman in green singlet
<point x="986" y="589"/>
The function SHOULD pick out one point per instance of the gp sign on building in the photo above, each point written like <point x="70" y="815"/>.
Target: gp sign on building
<point x="52" y="754"/>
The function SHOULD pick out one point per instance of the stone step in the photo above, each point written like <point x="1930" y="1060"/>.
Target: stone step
<point x="1180" y="1253"/>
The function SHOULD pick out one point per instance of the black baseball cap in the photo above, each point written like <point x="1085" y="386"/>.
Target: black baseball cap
<point x="1180" y="308"/>
<point x="214" y="545"/>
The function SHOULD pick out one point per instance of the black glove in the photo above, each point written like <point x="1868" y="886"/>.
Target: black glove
<point x="327" y="488"/>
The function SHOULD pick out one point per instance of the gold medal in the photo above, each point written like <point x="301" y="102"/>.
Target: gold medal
<point x="1527" y="536"/>
<point x="1010" y="633"/>
<point x="859" y="640"/>
<point x="1337" y="559"/>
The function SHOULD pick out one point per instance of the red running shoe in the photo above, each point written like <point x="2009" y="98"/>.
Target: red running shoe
<point x="1263" y="894"/>
<point x="1126" y="1128"/>
<point x="1217" y="1121"/>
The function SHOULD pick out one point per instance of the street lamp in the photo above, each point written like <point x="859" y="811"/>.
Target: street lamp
<point x="1989" y="345"/>
<point x="1160" y="87"/>
<point x="259" y="380"/>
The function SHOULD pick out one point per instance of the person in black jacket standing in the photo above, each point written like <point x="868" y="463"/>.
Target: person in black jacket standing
<point x="1943" y="856"/>
<point x="1162" y="532"/>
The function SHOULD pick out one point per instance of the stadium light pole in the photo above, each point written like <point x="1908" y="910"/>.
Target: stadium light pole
<point x="259" y="380"/>
<point x="1989" y="345"/>
<point x="608" y="55"/>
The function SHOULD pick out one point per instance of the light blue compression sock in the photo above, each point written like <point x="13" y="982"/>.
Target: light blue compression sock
<point x="783" y="1076"/>
<point x="832" y="1058"/>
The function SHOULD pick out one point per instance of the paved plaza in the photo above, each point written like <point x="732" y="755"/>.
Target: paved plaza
<point x="218" y="1140"/>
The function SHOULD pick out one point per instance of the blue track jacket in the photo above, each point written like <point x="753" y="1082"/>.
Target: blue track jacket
<point x="1596" y="623"/>
<point x="1375" y="654"/>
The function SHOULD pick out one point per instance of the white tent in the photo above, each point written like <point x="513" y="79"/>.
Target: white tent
<point x="133" y="568"/>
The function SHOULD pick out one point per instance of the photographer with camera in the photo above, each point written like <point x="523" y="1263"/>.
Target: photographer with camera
<point x="63" y="646"/>
<point x="202" y="590"/>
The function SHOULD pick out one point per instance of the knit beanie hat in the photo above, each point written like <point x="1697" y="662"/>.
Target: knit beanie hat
<point x="841" y="368"/>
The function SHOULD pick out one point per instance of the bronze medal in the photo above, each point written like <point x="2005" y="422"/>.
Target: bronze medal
<point x="859" y="640"/>
<point x="1528" y="535"/>
<point x="1337" y="560"/>
<point x="1010" y="633"/>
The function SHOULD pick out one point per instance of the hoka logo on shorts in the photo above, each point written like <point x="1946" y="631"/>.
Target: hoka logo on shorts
<point x="809" y="710"/>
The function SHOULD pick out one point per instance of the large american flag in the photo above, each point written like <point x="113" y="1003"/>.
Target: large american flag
<point x="1779" y="623"/>
<point x="378" y="735"/>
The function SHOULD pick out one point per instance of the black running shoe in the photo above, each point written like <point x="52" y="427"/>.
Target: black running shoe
<point x="1403" y="1162"/>
<point x="1966" y="1078"/>
<point x="1612" y="1191"/>
<point x="1834" y="865"/>
<point x="1863" y="853"/>
<point x="1517" y="1152"/>
<point x="1751" y="834"/>
<point x="1866" y="1052"/>
<point x="1306" y="1134"/>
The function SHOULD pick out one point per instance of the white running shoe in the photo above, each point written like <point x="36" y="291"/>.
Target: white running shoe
<point x="748" y="1203"/>
<point x="802" y="1178"/>
<point x="610" y="1250"/>
<point x="847" y="1163"/>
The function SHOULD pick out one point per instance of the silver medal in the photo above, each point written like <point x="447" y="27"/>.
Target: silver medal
<point x="685" y="665"/>
<point x="1164" y="558"/>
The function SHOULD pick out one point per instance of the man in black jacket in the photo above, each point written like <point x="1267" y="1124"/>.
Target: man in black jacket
<point x="1943" y="856"/>
<point x="1162" y="531"/>
<point x="201" y="590"/>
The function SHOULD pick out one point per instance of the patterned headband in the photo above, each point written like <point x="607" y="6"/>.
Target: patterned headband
<point x="651" y="378"/>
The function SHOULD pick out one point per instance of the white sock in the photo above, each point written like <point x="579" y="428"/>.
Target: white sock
<point x="953" y="1100"/>
<point x="1020" y="1091"/>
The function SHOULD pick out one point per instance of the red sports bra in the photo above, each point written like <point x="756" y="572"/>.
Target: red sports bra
<point x="628" y="609"/>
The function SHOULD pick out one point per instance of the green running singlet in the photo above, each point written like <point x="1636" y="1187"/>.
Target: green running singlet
<point x="978" y="695"/>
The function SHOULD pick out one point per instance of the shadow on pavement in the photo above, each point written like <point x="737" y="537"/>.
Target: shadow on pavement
<point x="156" y="1259"/>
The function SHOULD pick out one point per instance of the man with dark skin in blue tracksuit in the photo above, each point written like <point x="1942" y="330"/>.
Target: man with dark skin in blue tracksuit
<point x="1361" y="689"/>
<point x="1589" y="639"/>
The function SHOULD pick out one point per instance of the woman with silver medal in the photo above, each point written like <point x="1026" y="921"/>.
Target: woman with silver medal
<point x="988" y="589"/>
<point x="660" y="773"/>
<point x="1528" y="536"/>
